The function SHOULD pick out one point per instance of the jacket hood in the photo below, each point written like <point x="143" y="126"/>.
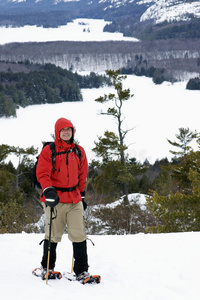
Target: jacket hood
<point x="60" y="124"/>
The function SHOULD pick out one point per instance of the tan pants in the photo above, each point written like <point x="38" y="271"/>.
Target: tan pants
<point x="70" y="215"/>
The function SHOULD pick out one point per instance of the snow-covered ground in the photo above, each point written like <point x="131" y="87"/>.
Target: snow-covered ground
<point x="78" y="30"/>
<point x="155" y="113"/>
<point x="139" y="267"/>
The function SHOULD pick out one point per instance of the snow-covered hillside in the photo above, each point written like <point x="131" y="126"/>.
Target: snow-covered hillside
<point x="156" y="10"/>
<point x="139" y="267"/>
<point x="171" y="10"/>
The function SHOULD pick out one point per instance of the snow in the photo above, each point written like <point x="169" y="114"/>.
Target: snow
<point x="171" y="10"/>
<point x="155" y="113"/>
<point x="78" y="30"/>
<point x="139" y="267"/>
<point x="140" y="199"/>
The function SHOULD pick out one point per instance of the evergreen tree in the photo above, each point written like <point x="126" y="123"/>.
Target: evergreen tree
<point x="185" y="137"/>
<point x="7" y="106"/>
<point x="16" y="191"/>
<point x="176" y="200"/>
<point x="117" y="173"/>
<point x="193" y="83"/>
<point x="43" y="84"/>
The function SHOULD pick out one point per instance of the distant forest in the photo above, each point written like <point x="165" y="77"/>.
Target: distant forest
<point x="42" y="84"/>
<point x="131" y="27"/>
<point x="45" y="19"/>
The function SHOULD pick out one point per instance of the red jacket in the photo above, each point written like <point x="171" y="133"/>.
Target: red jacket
<point x="69" y="172"/>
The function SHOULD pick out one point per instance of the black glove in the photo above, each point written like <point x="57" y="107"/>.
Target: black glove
<point x="51" y="196"/>
<point x="83" y="200"/>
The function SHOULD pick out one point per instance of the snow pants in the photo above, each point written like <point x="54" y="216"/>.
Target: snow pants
<point x="72" y="216"/>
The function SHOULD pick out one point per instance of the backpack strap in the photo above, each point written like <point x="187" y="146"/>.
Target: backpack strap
<point x="76" y="150"/>
<point x="52" y="146"/>
<point x="53" y="155"/>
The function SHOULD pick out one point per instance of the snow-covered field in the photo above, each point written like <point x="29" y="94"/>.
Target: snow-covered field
<point x="139" y="267"/>
<point x="155" y="113"/>
<point x="78" y="30"/>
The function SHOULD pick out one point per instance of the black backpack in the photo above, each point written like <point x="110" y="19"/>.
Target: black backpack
<point x="52" y="145"/>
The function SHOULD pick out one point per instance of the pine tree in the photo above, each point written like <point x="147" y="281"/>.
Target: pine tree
<point x="185" y="137"/>
<point x="15" y="190"/>
<point x="117" y="173"/>
<point x="176" y="201"/>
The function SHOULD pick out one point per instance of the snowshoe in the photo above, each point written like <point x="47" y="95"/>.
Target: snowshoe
<point x="91" y="279"/>
<point x="40" y="272"/>
<point x="83" y="278"/>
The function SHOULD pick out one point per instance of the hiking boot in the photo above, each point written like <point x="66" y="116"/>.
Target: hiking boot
<point x="44" y="271"/>
<point x="51" y="274"/>
<point x="41" y="272"/>
<point x="82" y="276"/>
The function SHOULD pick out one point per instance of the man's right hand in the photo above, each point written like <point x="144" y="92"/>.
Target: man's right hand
<point x="51" y="196"/>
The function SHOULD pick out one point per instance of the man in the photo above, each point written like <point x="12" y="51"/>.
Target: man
<point x="63" y="188"/>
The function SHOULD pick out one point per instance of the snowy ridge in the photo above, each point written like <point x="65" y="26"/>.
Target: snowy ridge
<point x="171" y="10"/>
<point x="140" y="199"/>
<point x="156" y="10"/>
